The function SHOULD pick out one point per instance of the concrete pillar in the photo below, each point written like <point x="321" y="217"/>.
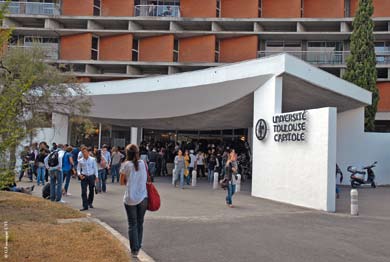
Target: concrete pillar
<point x="215" y="183"/>
<point x="354" y="202"/>
<point x="193" y="178"/>
<point x="238" y="183"/>
<point x="134" y="135"/>
<point x="100" y="136"/>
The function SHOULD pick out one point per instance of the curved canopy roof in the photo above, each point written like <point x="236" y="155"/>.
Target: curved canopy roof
<point x="220" y="97"/>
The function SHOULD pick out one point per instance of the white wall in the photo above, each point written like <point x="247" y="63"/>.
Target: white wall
<point x="357" y="148"/>
<point x="299" y="173"/>
<point x="57" y="134"/>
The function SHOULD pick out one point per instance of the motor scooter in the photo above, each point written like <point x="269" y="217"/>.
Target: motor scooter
<point x="358" y="177"/>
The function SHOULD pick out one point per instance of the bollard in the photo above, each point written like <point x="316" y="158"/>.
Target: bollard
<point x="193" y="178"/>
<point x="238" y="183"/>
<point x="215" y="184"/>
<point x="354" y="202"/>
<point x="173" y="177"/>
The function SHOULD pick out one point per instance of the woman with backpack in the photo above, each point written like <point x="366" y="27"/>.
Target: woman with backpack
<point x="136" y="196"/>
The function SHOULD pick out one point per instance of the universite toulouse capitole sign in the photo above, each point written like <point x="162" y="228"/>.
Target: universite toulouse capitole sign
<point x="290" y="127"/>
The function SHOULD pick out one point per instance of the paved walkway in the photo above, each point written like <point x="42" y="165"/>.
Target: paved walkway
<point x="194" y="224"/>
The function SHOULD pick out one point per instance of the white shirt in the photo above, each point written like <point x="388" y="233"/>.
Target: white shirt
<point x="199" y="159"/>
<point x="136" y="183"/>
<point x="87" y="166"/>
<point x="193" y="159"/>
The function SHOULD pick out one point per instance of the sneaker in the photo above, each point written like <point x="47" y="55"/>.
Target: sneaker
<point x="62" y="201"/>
<point x="68" y="194"/>
<point x="134" y="254"/>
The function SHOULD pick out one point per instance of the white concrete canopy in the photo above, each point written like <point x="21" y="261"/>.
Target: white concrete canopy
<point x="221" y="97"/>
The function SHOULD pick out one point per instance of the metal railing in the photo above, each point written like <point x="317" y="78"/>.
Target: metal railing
<point x="32" y="8"/>
<point x="157" y="10"/>
<point x="327" y="57"/>
<point x="51" y="51"/>
<point x="313" y="57"/>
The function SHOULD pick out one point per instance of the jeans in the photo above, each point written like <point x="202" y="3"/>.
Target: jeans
<point x="101" y="186"/>
<point x="189" y="177"/>
<point x="180" y="175"/>
<point x="41" y="175"/>
<point x="152" y="169"/>
<point x="135" y="220"/>
<point x="210" y="175"/>
<point x="88" y="181"/>
<point x="115" y="172"/>
<point x="55" y="185"/>
<point x="230" y="192"/>
<point x="67" y="176"/>
<point x="200" y="169"/>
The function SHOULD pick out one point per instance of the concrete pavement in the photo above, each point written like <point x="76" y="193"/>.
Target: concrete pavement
<point x="194" y="224"/>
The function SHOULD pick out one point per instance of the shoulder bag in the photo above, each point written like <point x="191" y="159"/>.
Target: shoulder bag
<point x="154" y="201"/>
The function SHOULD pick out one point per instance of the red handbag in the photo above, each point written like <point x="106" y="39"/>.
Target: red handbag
<point x="154" y="201"/>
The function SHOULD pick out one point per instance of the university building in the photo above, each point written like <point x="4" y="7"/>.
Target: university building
<point x="102" y="40"/>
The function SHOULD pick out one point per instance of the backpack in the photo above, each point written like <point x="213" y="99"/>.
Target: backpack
<point x="53" y="159"/>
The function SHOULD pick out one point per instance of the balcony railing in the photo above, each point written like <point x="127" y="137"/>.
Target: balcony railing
<point x="32" y="8"/>
<point x="51" y="51"/>
<point x="157" y="10"/>
<point x="327" y="57"/>
<point x="313" y="57"/>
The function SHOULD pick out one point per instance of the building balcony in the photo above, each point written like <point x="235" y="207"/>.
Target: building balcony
<point x="157" y="10"/>
<point x="327" y="57"/>
<point x="51" y="51"/>
<point x="32" y="8"/>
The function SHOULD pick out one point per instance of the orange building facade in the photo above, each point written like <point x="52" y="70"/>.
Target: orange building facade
<point x="119" y="39"/>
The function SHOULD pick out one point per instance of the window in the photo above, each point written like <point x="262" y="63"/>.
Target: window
<point x="382" y="50"/>
<point x="260" y="8"/>
<point x="347" y="8"/>
<point x="217" y="48"/>
<point x="96" y="7"/>
<point x="135" y="50"/>
<point x="218" y="8"/>
<point x="176" y="51"/>
<point x="382" y="73"/>
<point x="95" y="48"/>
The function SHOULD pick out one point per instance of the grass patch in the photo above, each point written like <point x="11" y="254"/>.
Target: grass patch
<point x="34" y="235"/>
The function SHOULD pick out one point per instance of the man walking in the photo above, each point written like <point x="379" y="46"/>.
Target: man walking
<point x="87" y="171"/>
<point x="53" y="163"/>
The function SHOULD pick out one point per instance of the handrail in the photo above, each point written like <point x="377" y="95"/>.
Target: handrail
<point x="32" y="8"/>
<point x="157" y="10"/>
<point x="326" y="57"/>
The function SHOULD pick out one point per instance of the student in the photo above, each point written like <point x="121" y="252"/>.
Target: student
<point x="230" y="176"/>
<point x="179" y="168"/>
<point x="135" y="198"/>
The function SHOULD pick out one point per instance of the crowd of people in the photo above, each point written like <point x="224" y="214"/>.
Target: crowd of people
<point x="92" y="166"/>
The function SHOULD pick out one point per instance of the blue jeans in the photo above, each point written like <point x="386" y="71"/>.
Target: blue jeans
<point x="67" y="176"/>
<point x="210" y="175"/>
<point x="230" y="192"/>
<point x="152" y="169"/>
<point x="41" y="175"/>
<point x="189" y="177"/>
<point x="55" y="185"/>
<point x="180" y="175"/>
<point x="101" y="186"/>
<point x="115" y="172"/>
<point x="135" y="220"/>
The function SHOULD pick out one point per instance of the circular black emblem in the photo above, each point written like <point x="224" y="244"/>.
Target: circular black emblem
<point x="261" y="129"/>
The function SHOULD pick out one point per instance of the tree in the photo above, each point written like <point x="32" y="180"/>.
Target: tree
<point x="29" y="90"/>
<point x="361" y="64"/>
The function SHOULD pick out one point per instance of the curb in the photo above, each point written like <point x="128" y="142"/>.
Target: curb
<point x="142" y="256"/>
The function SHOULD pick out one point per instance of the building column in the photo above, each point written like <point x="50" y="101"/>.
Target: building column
<point x="134" y="135"/>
